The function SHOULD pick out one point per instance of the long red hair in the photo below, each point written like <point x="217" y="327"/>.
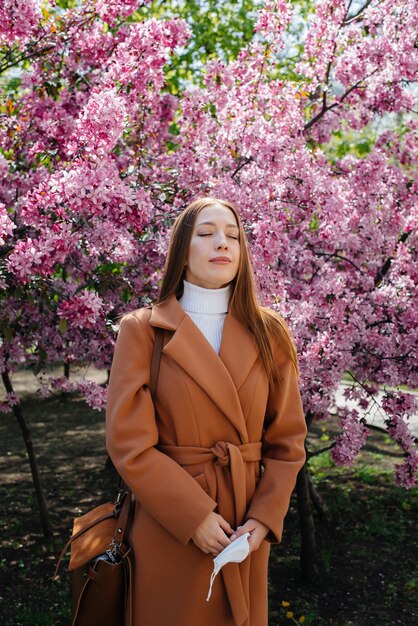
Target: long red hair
<point x="262" y="323"/>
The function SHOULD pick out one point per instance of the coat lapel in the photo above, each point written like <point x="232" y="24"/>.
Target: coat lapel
<point x="238" y="350"/>
<point x="220" y="376"/>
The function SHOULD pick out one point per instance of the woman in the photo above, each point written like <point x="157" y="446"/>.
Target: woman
<point x="218" y="451"/>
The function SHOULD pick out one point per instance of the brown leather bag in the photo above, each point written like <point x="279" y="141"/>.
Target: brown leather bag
<point x="101" y="592"/>
<point x="101" y="558"/>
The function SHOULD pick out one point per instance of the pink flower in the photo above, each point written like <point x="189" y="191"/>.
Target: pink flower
<point x="111" y="10"/>
<point x="44" y="391"/>
<point x="349" y="443"/>
<point x="26" y="259"/>
<point x="31" y="257"/>
<point x="101" y="122"/>
<point x="406" y="473"/>
<point x="18" y="20"/>
<point x="6" y="224"/>
<point x="94" y="394"/>
<point x="61" y="383"/>
<point x="12" y="399"/>
<point x="273" y="20"/>
<point x="82" y="310"/>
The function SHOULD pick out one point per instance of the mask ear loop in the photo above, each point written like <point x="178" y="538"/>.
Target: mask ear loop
<point x="215" y="572"/>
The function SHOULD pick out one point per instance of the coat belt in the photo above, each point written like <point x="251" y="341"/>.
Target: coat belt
<point x="226" y="454"/>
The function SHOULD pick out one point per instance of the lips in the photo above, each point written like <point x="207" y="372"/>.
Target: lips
<point x="222" y="260"/>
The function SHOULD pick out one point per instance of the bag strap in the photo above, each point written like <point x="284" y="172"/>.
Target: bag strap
<point x="156" y="359"/>
<point x="155" y="368"/>
<point x="123" y="518"/>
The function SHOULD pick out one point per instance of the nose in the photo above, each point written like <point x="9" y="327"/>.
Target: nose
<point x="221" y="242"/>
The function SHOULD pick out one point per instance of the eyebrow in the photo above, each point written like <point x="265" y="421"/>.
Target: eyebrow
<point x="213" y="224"/>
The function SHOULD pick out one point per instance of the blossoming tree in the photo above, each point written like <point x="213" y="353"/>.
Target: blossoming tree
<point x="97" y="158"/>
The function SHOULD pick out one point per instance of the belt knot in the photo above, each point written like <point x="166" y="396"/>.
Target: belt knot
<point x="221" y="451"/>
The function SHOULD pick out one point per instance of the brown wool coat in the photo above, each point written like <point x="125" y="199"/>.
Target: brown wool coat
<point x="197" y="451"/>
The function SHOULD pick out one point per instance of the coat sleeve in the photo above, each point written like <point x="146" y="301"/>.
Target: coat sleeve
<point x="166" y="490"/>
<point x="283" y="450"/>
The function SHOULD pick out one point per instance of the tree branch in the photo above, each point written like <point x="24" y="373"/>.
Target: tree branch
<point x="353" y="18"/>
<point x="385" y="267"/>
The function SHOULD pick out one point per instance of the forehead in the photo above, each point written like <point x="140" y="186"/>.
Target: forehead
<point x="216" y="213"/>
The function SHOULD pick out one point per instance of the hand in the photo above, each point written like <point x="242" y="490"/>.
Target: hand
<point x="210" y="536"/>
<point x="257" y="530"/>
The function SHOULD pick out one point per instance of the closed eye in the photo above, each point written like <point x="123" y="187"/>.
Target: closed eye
<point x="209" y="234"/>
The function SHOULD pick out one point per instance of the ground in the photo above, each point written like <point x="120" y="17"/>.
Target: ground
<point x="367" y="566"/>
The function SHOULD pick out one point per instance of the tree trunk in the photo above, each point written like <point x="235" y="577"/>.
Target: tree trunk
<point x="308" y="563"/>
<point x="318" y="501"/>
<point x="43" y="507"/>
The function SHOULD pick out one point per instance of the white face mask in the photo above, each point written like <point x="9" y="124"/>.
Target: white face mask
<point x="236" y="552"/>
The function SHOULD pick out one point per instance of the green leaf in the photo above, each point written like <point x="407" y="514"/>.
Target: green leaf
<point x="7" y="333"/>
<point x="63" y="326"/>
<point x="314" y="223"/>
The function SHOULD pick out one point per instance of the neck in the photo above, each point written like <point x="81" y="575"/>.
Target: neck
<point x="197" y="299"/>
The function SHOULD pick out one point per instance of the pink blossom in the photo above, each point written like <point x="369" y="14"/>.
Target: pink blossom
<point x="101" y="122"/>
<point x="6" y="224"/>
<point x="94" y="394"/>
<point x="349" y="443"/>
<point x="60" y="383"/>
<point x="44" y="391"/>
<point x="12" y="398"/>
<point x="142" y="53"/>
<point x="18" y="20"/>
<point x="111" y="10"/>
<point x="399" y="407"/>
<point x="400" y="403"/>
<point x="406" y="473"/>
<point x="25" y="259"/>
<point x="82" y="310"/>
<point x="39" y="256"/>
<point x="273" y="19"/>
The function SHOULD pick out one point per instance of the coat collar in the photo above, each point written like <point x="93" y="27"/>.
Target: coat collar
<point x="220" y="376"/>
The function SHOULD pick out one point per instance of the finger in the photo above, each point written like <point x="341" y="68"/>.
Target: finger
<point x="241" y="530"/>
<point x="254" y="541"/>
<point x="223" y="540"/>
<point x="225" y="525"/>
<point x="220" y="547"/>
<point x="216" y="548"/>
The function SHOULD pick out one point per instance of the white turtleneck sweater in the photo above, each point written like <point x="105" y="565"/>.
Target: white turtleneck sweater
<point x="207" y="308"/>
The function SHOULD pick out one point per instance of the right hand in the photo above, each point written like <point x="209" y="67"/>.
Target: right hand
<point x="211" y="536"/>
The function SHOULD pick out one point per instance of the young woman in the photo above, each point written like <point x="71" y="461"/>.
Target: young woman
<point x="218" y="451"/>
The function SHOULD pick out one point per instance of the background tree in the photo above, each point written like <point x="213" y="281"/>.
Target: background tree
<point x="100" y="152"/>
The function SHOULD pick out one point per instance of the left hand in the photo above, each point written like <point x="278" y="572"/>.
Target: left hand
<point x="257" y="531"/>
